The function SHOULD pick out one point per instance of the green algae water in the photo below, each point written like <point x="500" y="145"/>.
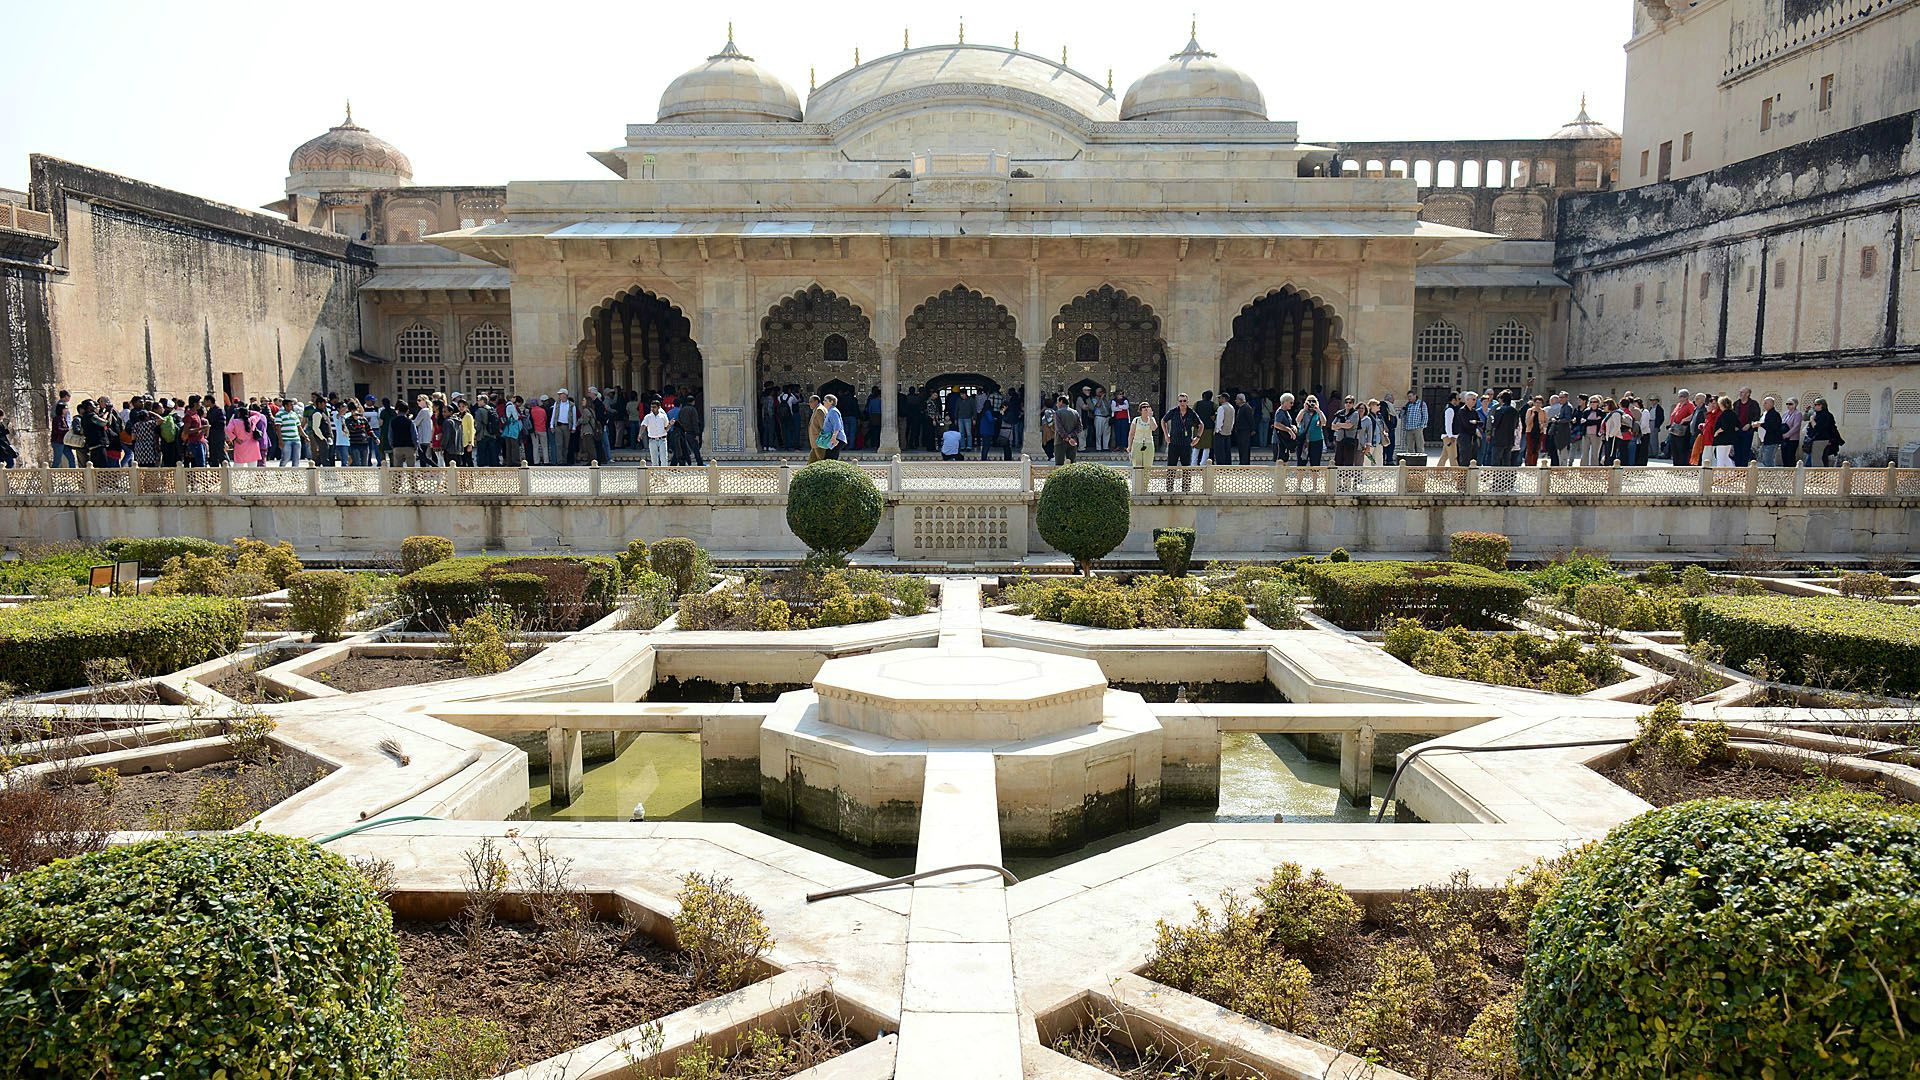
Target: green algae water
<point x="1260" y="776"/>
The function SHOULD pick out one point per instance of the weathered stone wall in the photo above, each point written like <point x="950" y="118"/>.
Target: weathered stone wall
<point x="1792" y="273"/>
<point x="164" y="292"/>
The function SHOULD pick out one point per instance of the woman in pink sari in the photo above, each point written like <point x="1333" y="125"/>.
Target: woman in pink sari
<point x="243" y="440"/>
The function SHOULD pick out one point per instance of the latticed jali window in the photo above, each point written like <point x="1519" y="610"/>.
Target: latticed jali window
<point x="417" y="363"/>
<point x="1437" y="353"/>
<point x="1510" y="357"/>
<point x="489" y="360"/>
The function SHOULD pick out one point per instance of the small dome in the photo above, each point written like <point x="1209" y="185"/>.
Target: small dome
<point x="729" y="88"/>
<point x="1194" y="85"/>
<point x="1584" y="127"/>
<point x="350" y="148"/>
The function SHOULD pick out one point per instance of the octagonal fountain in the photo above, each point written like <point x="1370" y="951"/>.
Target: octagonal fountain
<point x="1073" y="760"/>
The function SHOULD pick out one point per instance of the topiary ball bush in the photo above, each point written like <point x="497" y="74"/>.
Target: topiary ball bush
<point x="1488" y="549"/>
<point x="242" y="955"/>
<point x="320" y="601"/>
<point x="417" y="552"/>
<point x="833" y="507"/>
<point x="1728" y="939"/>
<point x="1085" y="511"/>
<point x="1175" y="550"/>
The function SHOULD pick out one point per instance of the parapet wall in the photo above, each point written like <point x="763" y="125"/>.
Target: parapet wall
<point x="968" y="515"/>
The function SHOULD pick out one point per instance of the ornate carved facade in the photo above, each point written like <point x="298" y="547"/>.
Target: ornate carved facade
<point x="816" y="337"/>
<point x="1106" y="338"/>
<point x="961" y="332"/>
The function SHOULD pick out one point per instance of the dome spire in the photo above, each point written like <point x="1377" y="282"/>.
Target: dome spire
<point x="1583" y="118"/>
<point x="730" y="51"/>
<point x="348" y="122"/>
<point x="963" y="29"/>
<point x="1193" y="48"/>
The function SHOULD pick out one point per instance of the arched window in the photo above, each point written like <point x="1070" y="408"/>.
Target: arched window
<point x="1423" y="173"/>
<point x="1469" y="174"/>
<point x="1446" y="175"/>
<point x="489" y="361"/>
<point x="1510" y="357"/>
<point x="1086" y="349"/>
<point x="834" y="349"/>
<point x="1859" y="404"/>
<point x="1436" y="355"/>
<point x="417" y="366"/>
<point x="1496" y="173"/>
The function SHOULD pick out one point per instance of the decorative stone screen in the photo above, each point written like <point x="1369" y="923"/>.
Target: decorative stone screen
<point x="1510" y="357"/>
<point x="961" y="331"/>
<point x="814" y="337"/>
<point x="1108" y="338"/>
<point x="489" y="360"/>
<point x="417" y="363"/>
<point x="961" y="528"/>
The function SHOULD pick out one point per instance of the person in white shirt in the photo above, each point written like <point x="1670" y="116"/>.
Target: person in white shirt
<point x="560" y="426"/>
<point x="655" y="429"/>
<point x="950" y="445"/>
<point x="1223" y="431"/>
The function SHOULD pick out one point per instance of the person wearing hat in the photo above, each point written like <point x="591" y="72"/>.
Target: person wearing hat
<point x="560" y="427"/>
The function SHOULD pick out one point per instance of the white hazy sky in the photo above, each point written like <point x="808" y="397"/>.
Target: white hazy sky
<point x="211" y="96"/>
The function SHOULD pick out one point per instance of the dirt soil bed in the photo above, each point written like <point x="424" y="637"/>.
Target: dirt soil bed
<point x="1738" y="778"/>
<point x="234" y="792"/>
<point x="357" y="673"/>
<point x="246" y="688"/>
<point x="545" y="1005"/>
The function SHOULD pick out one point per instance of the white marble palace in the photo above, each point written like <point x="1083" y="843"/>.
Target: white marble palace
<point x="963" y="214"/>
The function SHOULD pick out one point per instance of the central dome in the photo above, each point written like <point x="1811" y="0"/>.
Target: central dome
<point x="991" y="72"/>
<point x="729" y="88"/>
<point x="348" y="155"/>
<point x="1194" y="85"/>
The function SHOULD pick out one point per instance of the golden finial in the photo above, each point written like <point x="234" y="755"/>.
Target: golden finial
<point x="1109" y="80"/>
<point x="349" y="120"/>
<point x="856" y="56"/>
<point x="963" y="30"/>
<point x="1063" y="56"/>
<point x="906" y="38"/>
<point x="1016" y="41"/>
<point x="810" y="86"/>
<point x="729" y="31"/>
<point x="1193" y="28"/>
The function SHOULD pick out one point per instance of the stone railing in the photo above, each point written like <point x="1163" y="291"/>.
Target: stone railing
<point x="1835" y="17"/>
<point x="19" y="218"/>
<point x="911" y="480"/>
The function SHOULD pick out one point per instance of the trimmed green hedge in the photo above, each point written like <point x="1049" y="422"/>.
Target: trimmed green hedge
<point x="454" y="590"/>
<point x="1833" y="640"/>
<point x="1488" y="549"/>
<point x="241" y="955"/>
<point x="833" y="507"/>
<point x="46" y="646"/>
<point x="320" y="601"/>
<point x="1085" y="510"/>
<point x="420" y="552"/>
<point x="152" y="552"/>
<point x="57" y="573"/>
<point x="1360" y="595"/>
<point x="1174" y="547"/>
<point x="1728" y="940"/>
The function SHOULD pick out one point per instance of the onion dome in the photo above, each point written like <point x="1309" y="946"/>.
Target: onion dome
<point x="348" y="155"/>
<point x="729" y="88"/>
<point x="1194" y="85"/>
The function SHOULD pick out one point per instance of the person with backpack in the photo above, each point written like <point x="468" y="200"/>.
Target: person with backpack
<point x="169" y="418"/>
<point x="359" y="432"/>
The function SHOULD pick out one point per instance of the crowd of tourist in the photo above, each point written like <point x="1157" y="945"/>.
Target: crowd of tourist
<point x="490" y="428"/>
<point x="667" y="428"/>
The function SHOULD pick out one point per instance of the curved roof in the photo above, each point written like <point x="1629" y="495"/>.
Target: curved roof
<point x="349" y="147"/>
<point x="1194" y="85"/>
<point x="728" y="88"/>
<point x="1584" y="127"/>
<point x="959" y="71"/>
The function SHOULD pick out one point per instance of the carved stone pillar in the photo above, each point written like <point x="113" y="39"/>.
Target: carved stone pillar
<point x="889" y="398"/>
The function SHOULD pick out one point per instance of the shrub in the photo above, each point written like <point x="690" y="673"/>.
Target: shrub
<point x="1479" y="549"/>
<point x="1695" y="581"/>
<point x="633" y="561"/>
<point x="1085" y="511"/>
<point x="65" y="570"/>
<point x="1726" y="939"/>
<point x="1270" y="594"/>
<point x="1622" y="608"/>
<point x="652" y="601"/>
<point x="1866" y="586"/>
<point x="152" y="552"/>
<point x="46" y="646"/>
<point x="248" y="954"/>
<point x="320" y="601"/>
<point x="833" y="507"/>
<point x="1149" y="603"/>
<point x="453" y="590"/>
<point x="1175" y="549"/>
<point x="1339" y="554"/>
<point x="1305" y="914"/>
<point x="1560" y="664"/>
<point x="720" y="933"/>
<point x="1664" y="742"/>
<point x="1358" y="595"/>
<point x="848" y="609"/>
<point x="1559" y="577"/>
<point x="276" y="563"/>
<point x="1804" y="636"/>
<point x="481" y="642"/>
<point x="419" y="552"/>
<point x="680" y="560"/>
<point x="1226" y="960"/>
<point x="197" y="575"/>
<point x="525" y="593"/>
<point x="455" y="1047"/>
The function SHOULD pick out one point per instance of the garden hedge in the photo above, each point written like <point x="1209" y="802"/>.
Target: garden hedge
<point x="320" y="601"/>
<point x="1728" y="939"/>
<point x="420" y="552"/>
<point x="1085" y="511"/>
<point x="678" y="559"/>
<point x="1860" y="645"/>
<point x="453" y="590"/>
<point x="1488" y="549"/>
<point x="46" y="646"/>
<point x="1359" y="595"/>
<point x="833" y="507"/>
<point x="152" y="552"/>
<point x="240" y="955"/>
<point x="1174" y="547"/>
